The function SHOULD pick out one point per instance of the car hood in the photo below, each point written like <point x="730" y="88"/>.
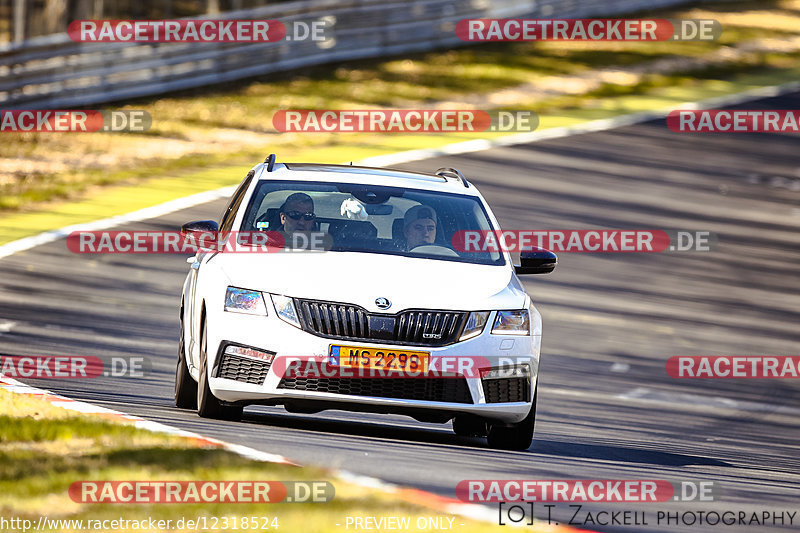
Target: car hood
<point x="360" y="278"/>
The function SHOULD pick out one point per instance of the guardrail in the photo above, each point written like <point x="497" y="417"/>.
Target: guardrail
<point x="54" y="71"/>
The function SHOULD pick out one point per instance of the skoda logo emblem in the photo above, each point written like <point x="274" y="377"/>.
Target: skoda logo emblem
<point x="383" y="303"/>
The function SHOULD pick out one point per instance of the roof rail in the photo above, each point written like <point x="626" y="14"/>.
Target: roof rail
<point x="451" y="173"/>
<point x="270" y="161"/>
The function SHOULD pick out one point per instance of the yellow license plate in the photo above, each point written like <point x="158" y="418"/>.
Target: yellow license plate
<point x="379" y="359"/>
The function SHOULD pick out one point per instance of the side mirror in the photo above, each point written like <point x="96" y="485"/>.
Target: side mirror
<point x="538" y="261"/>
<point x="199" y="226"/>
<point x="202" y="232"/>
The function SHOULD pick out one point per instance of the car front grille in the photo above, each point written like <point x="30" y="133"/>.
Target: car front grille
<point x="507" y="390"/>
<point x="243" y="369"/>
<point x="453" y="390"/>
<point x="414" y="327"/>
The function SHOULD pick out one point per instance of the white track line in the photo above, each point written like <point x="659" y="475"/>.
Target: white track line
<point x="475" y="145"/>
<point x="440" y="503"/>
<point x="105" y="223"/>
<point x="476" y="512"/>
<point x="17" y="387"/>
<point x="565" y="131"/>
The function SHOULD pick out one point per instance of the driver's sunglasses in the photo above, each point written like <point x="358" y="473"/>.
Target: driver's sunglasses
<point x="297" y="215"/>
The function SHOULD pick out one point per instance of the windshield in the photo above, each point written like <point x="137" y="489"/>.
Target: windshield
<point x="372" y="218"/>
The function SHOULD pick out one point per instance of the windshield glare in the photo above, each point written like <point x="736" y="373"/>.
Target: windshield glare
<point x="372" y="218"/>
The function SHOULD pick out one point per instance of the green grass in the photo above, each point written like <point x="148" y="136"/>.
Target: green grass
<point x="44" y="450"/>
<point x="15" y="429"/>
<point x="109" y="201"/>
<point x="212" y="136"/>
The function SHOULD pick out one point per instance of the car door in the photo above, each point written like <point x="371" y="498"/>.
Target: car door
<point x="201" y="258"/>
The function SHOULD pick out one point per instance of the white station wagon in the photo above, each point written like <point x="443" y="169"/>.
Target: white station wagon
<point x="388" y="292"/>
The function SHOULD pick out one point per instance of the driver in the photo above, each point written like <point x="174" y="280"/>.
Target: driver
<point x="297" y="213"/>
<point x="419" y="226"/>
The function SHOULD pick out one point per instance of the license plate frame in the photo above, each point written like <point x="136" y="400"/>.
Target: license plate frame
<point x="389" y="357"/>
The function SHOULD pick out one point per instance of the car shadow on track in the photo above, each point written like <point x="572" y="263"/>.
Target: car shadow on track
<point x="356" y="428"/>
<point x="604" y="452"/>
<point x="431" y="436"/>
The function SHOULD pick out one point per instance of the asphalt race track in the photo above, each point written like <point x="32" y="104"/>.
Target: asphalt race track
<point x="607" y="409"/>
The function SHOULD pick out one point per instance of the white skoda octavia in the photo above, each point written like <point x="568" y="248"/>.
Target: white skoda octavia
<point x="391" y="316"/>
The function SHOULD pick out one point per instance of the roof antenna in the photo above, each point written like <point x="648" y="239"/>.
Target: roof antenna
<point x="351" y="163"/>
<point x="270" y="161"/>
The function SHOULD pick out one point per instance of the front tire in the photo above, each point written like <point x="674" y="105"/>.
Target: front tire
<point x="208" y="405"/>
<point x="518" y="436"/>
<point x="185" y="385"/>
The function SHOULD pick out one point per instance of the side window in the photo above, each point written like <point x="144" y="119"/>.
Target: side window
<point x="233" y="206"/>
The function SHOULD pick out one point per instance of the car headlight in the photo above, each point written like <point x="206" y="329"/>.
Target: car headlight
<point x="245" y="301"/>
<point x="474" y="326"/>
<point x="284" y="306"/>
<point x="515" y="322"/>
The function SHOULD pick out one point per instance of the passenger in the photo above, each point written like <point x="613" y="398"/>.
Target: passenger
<point x="419" y="226"/>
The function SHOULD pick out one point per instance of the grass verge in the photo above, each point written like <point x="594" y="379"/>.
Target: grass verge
<point x="44" y="449"/>
<point x="102" y="202"/>
<point x="206" y="139"/>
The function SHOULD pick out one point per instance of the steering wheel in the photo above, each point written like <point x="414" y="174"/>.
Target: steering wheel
<point x="434" y="249"/>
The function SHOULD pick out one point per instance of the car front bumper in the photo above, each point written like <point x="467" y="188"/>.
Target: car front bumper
<point x="456" y="395"/>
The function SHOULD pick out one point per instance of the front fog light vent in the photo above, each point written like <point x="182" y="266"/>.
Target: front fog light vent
<point x="249" y="352"/>
<point x="518" y="371"/>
